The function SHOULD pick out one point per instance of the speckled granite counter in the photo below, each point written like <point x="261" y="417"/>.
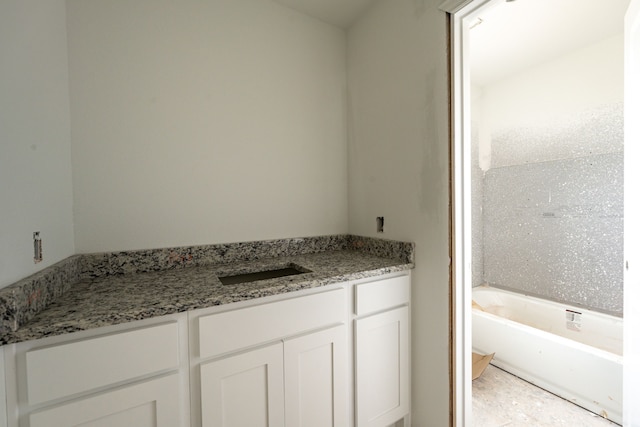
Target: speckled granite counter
<point x="106" y="293"/>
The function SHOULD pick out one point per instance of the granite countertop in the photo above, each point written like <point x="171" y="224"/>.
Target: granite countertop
<point x="111" y="299"/>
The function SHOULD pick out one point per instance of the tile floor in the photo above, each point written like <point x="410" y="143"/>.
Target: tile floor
<point x="501" y="399"/>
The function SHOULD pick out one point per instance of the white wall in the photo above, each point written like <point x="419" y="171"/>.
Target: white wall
<point x="399" y="169"/>
<point x="204" y="122"/>
<point x="566" y="108"/>
<point x="35" y="144"/>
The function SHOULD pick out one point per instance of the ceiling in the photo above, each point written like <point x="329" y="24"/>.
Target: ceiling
<point x="513" y="35"/>
<point x="519" y="34"/>
<point x="341" y="13"/>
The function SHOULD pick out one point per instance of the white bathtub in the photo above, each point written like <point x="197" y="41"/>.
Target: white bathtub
<point x="569" y="351"/>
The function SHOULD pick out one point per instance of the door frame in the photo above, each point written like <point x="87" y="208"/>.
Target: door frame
<point x="461" y="14"/>
<point x="631" y="345"/>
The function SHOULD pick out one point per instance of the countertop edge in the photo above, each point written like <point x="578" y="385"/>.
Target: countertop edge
<point x="23" y="300"/>
<point x="142" y="312"/>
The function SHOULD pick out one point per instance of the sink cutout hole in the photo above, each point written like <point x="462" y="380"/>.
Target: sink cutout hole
<point x="260" y="275"/>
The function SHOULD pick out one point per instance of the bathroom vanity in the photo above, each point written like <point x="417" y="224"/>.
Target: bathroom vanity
<point x="328" y="345"/>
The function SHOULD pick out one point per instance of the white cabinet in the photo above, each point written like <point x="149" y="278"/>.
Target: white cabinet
<point x="382" y="366"/>
<point x="3" y="392"/>
<point x="316" y="379"/>
<point x="301" y="382"/>
<point x="245" y="389"/>
<point x="153" y="403"/>
<point x="286" y="360"/>
<point x="132" y="375"/>
<point x="284" y="365"/>
<point x="66" y="369"/>
<point x="382" y="348"/>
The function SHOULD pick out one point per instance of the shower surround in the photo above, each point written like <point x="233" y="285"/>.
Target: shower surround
<point x="555" y="229"/>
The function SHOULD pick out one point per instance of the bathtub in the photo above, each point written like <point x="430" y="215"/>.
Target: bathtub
<point x="569" y="351"/>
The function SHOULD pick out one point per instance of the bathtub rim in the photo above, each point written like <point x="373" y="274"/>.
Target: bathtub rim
<point x="619" y="315"/>
<point x="610" y="355"/>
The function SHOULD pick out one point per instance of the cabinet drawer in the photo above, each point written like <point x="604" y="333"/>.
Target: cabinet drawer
<point x="381" y="294"/>
<point x="76" y="367"/>
<point x="232" y="330"/>
<point x="155" y="402"/>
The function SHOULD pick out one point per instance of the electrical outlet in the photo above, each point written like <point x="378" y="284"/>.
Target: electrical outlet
<point x="380" y="224"/>
<point x="37" y="247"/>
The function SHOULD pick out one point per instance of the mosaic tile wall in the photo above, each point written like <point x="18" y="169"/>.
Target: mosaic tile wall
<point x="477" y="191"/>
<point x="555" y="229"/>
<point x="593" y="131"/>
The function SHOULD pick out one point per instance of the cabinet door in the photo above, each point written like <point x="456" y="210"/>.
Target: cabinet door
<point x="155" y="403"/>
<point x="245" y="389"/>
<point x="315" y="372"/>
<point x="382" y="368"/>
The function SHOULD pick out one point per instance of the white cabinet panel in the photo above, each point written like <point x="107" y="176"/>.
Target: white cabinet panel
<point x="268" y="322"/>
<point x="79" y="366"/>
<point x="3" y="392"/>
<point x="154" y="403"/>
<point x="300" y="380"/>
<point x="382" y="368"/>
<point x="316" y="379"/>
<point x="246" y="389"/>
<point x="378" y="295"/>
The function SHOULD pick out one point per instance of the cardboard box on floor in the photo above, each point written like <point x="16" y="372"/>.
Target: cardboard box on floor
<point x="479" y="363"/>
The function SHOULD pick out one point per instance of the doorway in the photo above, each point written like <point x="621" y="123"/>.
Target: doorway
<point x="465" y="15"/>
